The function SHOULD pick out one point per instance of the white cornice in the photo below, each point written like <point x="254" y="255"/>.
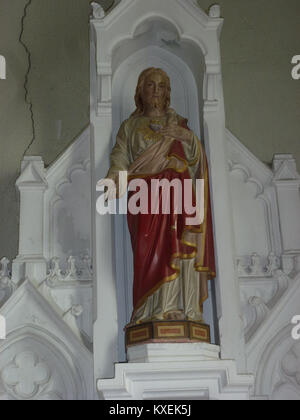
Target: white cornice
<point x="189" y="6"/>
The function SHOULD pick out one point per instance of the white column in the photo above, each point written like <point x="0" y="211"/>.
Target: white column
<point x="105" y="301"/>
<point x="231" y="330"/>
<point x="32" y="186"/>
<point x="287" y="182"/>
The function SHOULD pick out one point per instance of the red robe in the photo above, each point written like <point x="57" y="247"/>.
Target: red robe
<point x="158" y="239"/>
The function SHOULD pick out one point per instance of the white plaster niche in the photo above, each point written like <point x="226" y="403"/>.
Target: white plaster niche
<point x="180" y="38"/>
<point x="156" y="43"/>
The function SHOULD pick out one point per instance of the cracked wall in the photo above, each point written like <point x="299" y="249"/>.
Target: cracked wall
<point x="15" y="125"/>
<point x="44" y="102"/>
<point x="57" y="34"/>
<point x="46" y="47"/>
<point x="26" y="78"/>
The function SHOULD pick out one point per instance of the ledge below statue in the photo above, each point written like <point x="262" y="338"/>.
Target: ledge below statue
<point x="172" y="352"/>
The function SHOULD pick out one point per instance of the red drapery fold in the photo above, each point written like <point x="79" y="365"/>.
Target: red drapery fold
<point x="157" y="239"/>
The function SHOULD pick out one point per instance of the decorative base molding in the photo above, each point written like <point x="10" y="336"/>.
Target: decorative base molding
<point x="170" y="380"/>
<point x="173" y="371"/>
<point x="167" y="331"/>
<point x="172" y="352"/>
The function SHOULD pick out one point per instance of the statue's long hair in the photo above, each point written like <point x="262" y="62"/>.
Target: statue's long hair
<point x="138" y="94"/>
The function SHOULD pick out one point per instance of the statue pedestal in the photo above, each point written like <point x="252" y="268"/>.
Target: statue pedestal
<point x="175" y="371"/>
<point x="167" y="332"/>
<point x="172" y="352"/>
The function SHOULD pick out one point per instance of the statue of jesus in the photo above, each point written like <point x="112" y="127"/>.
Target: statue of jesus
<point x="172" y="259"/>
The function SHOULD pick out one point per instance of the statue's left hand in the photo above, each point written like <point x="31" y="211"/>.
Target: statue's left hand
<point x="179" y="133"/>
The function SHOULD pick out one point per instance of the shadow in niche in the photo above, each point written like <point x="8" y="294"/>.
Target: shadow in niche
<point x="67" y="224"/>
<point x="215" y="324"/>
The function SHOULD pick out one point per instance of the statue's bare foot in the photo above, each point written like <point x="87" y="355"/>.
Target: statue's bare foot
<point x="174" y="316"/>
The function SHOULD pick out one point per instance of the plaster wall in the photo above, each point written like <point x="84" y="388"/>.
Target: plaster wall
<point x="44" y="102"/>
<point x="46" y="46"/>
<point x="262" y="101"/>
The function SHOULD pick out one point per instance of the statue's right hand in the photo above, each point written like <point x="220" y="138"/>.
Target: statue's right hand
<point x="110" y="188"/>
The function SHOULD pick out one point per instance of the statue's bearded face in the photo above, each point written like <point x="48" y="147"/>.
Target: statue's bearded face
<point x="154" y="92"/>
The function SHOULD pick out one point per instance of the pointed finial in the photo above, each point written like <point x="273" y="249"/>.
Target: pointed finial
<point x="71" y="273"/>
<point x="4" y="272"/>
<point x="215" y="11"/>
<point x="98" y="11"/>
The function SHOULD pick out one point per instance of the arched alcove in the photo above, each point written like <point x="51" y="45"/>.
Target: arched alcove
<point x="189" y="39"/>
<point x="156" y="43"/>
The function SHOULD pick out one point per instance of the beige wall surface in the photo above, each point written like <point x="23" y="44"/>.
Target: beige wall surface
<point x="44" y="102"/>
<point x="46" y="46"/>
<point x="262" y="101"/>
